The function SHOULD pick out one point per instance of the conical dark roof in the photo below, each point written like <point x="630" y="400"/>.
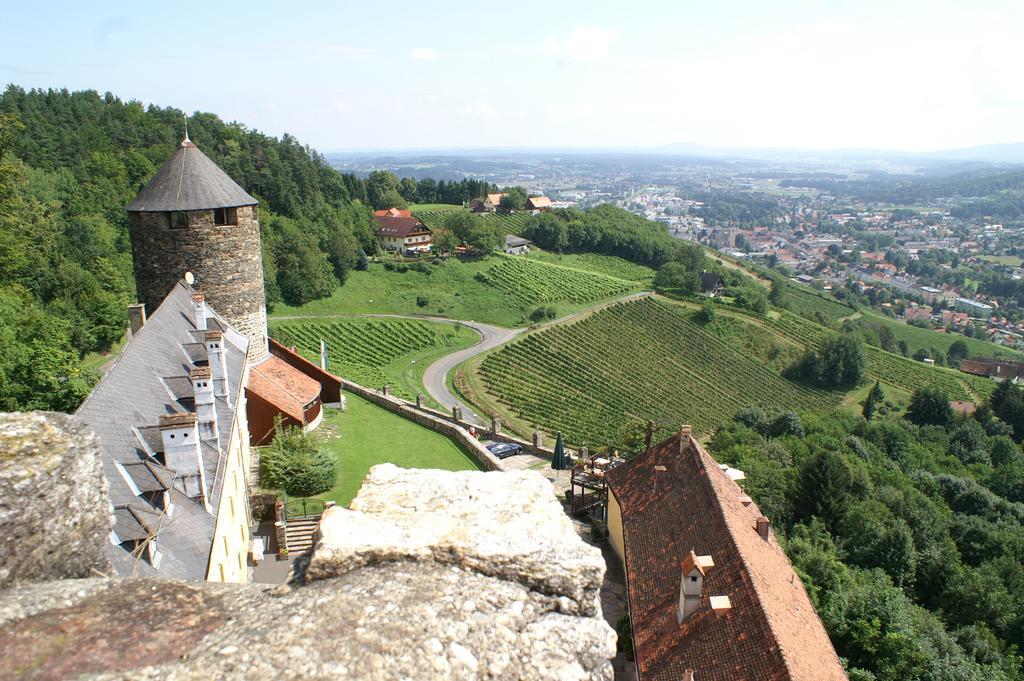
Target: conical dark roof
<point x="190" y="181"/>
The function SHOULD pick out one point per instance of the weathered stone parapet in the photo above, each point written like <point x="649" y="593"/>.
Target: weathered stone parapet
<point x="506" y="525"/>
<point x="55" y="515"/>
<point x="437" y="575"/>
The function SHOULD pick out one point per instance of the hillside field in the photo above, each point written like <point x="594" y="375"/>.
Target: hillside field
<point x="917" y="338"/>
<point x="811" y="304"/>
<point x="434" y="215"/>
<point x="376" y="351"/>
<point x="498" y="289"/>
<point x="652" y="359"/>
<point x="641" y="360"/>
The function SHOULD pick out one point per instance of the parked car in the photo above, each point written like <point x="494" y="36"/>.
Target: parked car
<point x="504" y="450"/>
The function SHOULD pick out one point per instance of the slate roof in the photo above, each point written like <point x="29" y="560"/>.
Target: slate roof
<point x="675" y="499"/>
<point x="513" y="241"/>
<point x="124" y="409"/>
<point x="709" y="281"/>
<point x="400" y="227"/>
<point x="190" y="181"/>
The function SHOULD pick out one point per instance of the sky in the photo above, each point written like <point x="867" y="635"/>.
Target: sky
<point x="348" y="76"/>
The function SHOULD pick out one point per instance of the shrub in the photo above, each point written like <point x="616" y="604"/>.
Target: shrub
<point x="296" y="464"/>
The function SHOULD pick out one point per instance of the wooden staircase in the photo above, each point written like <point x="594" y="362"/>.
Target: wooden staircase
<point x="299" y="533"/>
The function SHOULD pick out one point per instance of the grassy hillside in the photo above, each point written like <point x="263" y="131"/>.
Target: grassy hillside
<point x="480" y="290"/>
<point x="811" y="304"/>
<point x="602" y="264"/>
<point x="374" y="352"/>
<point x="901" y="372"/>
<point x="917" y="338"/>
<point x="531" y="282"/>
<point x="652" y="359"/>
<point x="641" y="360"/>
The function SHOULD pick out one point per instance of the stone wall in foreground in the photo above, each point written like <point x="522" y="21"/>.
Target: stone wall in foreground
<point x="430" y="574"/>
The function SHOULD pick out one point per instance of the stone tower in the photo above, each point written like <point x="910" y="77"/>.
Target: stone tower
<point x="192" y="217"/>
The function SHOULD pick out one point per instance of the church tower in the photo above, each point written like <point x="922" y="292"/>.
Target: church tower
<point x="192" y="217"/>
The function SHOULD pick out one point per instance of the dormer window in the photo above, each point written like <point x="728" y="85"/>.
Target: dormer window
<point x="225" y="216"/>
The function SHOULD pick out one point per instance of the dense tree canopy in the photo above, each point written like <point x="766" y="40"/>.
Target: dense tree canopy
<point x="71" y="162"/>
<point x="908" y="537"/>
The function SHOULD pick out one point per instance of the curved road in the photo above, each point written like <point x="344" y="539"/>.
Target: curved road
<point x="435" y="377"/>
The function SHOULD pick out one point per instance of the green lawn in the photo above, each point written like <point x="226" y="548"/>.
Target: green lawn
<point x="1011" y="260"/>
<point x="366" y="435"/>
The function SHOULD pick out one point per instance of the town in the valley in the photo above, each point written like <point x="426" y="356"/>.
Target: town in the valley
<point x="484" y="373"/>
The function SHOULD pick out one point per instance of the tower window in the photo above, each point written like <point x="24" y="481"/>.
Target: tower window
<point x="225" y="216"/>
<point x="177" y="220"/>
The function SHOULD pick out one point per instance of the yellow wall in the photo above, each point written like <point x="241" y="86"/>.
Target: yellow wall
<point x="615" y="527"/>
<point x="230" y="551"/>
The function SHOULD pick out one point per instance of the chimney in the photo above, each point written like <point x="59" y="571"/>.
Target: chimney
<point x="182" y="453"/>
<point x="206" y="404"/>
<point x="720" y="605"/>
<point x="136" y="317"/>
<point x="199" y="311"/>
<point x="762" y="527"/>
<point x="218" y="364"/>
<point x="691" y="584"/>
<point x="684" y="437"/>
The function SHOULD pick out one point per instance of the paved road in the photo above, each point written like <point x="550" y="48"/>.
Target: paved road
<point x="435" y="377"/>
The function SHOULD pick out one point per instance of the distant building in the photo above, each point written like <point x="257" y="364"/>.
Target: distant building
<point x="919" y="313"/>
<point x="516" y="245"/>
<point x="711" y="594"/>
<point x="711" y="284"/>
<point x="404" y="234"/>
<point x="487" y="204"/>
<point x="1000" y="370"/>
<point x="975" y="308"/>
<point x="538" y="204"/>
<point x="392" y="213"/>
<point x="955" y="318"/>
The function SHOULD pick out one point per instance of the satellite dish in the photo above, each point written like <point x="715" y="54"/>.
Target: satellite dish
<point x="190" y="278"/>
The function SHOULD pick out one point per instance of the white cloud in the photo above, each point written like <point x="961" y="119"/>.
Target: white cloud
<point x="584" y="43"/>
<point x="422" y="54"/>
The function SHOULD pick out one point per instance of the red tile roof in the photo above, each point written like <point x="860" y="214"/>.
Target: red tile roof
<point x="283" y="386"/>
<point x="392" y="213"/>
<point x="401" y="227"/>
<point x="771" y="632"/>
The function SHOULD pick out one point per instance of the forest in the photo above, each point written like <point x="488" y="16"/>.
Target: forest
<point x="907" y="531"/>
<point x="69" y="164"/>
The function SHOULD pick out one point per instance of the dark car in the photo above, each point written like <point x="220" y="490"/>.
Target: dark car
<point x="504" y="449"/>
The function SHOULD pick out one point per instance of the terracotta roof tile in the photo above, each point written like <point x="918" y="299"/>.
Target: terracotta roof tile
<point x="401" y="227"/>
<point x="392" y="212"/>
<point x="770" y="632"/>
<point x="283" y="386"/>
